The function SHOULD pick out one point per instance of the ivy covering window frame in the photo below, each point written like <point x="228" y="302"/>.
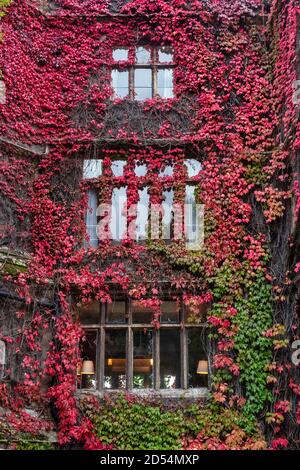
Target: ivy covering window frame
<point x="158" y="80"/>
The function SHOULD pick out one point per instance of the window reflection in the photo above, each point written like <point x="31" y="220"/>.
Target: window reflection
<point x="142" y="215"/>
<point x="170" y="368"/>
<point x="165" y="83"/>
<point x="90" y="314"/>
<point x="193" y="167"/>
<point x="198" y="366"/>
<point x="165" y="55"/>
<point x="143" y="359"/>
<point x="92" y="168"/>
<point x="143" y="55"/>
<point x="191" y="226"/>
<point x="116" y="312"/>
<point x="140" y="169"/>
<point x="120" y="54"/>
<point x="117" y="167"/>
<point x="170" y="312"/>
<point x="120" y="83"/>
<point x="168" y="216"/>
<point x="91" y="218"/>
<point x="115" y="359"/>
<point x="118" y="222"/>
<point x="143" y="84"/>
<point x="167" y="170"/>
<point x="141" y="313"/>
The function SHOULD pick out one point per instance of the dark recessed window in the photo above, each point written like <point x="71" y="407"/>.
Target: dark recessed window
<point x="142" y="73"/>
<point x="122" y="349"/>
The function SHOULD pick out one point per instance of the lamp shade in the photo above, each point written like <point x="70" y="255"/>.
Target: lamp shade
<point x="202" y="368"/>
<point x="87" y="368"/>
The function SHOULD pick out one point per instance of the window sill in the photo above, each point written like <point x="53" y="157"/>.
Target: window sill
<point x="192" y="393"/>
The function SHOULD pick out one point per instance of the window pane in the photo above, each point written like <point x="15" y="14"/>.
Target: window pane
<point x="117" y="167"/>
<point x="92" y="168"/>
<point x="120" y="83"/>
<point x="91" y="218"/>
<point x="120" y="54"/>
<point x="115" y="359"/>
<point x="118" y="222"/>
<point x="193" y="167"/>
<point x="90" y="314"/>
<point x="2" y="358"/>
<point x="143" y="359"/>
<point x="165" y="83"/>
<point x="143" y="56"/>
<point x="198" y="366"/>
<point x="191" y="227"/>
<point x="166" y="171"/>
<point x="116" y="312"/>
<point x="143" y="84"/>
<point x="87" y="371"/>
<point x="140" y="313"/>
<point x="140" y="169"/>
<point x="170" y="367"/>
<point x="167" y="218"/>
<point x="170" y="312"/>
<point x="165" y="55"/>
<point x="142" y="215"/>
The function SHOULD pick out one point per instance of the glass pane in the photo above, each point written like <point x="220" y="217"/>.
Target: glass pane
<point x="143" y="56"/>
<point x="86" y="372"/>
<point x="170" y="312"/>
<point x="143" y="359"/>
<point x="170" y="367"/>
<point x="165" y="83"/>
<point x="198" y="366"/>
<point x="140" y="313"/>
<point x="91" y="218"/>
<point x="193" y="167"/>
<point x="166" y="171"/>
<point x="142" y="215"/>
<point x="116" y="312"/>
<point x="165" y="55"/>
<point x="115" y="359"/>
<point x="140" y="169"/>
<point x="120" y="54"/>
<point x="118" y="222"/>
<point x="168" y="216"/>
<point x="90" y="314"/>
<point x="92" y="168"/>
<point x="191" y="228"/>
<point x="120" y="83"/>
<point x="142" y="94"/>
<point x="196" y="313"/>
<point x="2" y="358"/>
<point x="117" y="167"/>
<point x="143" y="84"/>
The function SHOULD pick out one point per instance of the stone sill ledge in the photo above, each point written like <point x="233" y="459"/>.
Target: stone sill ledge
<point x="193" y="393"/>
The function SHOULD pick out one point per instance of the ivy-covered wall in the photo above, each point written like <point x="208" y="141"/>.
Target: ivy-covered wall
<point x="229" y="81"/>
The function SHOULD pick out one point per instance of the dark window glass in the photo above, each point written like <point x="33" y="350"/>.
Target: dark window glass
<point x="115" y="359"/>
<point x="140" y="313"/>
<point x="86" y="372"/>
<point x="143" y="359"/>
<point x="170" y="312"/>
<point x="116" y="312"/>
<point x="170" y="368"/>
<point x="198" y="365"/>
<point x="90" y="314"/>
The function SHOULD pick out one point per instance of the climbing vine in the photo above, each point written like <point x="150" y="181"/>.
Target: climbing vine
<point x="56" y="64"/>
